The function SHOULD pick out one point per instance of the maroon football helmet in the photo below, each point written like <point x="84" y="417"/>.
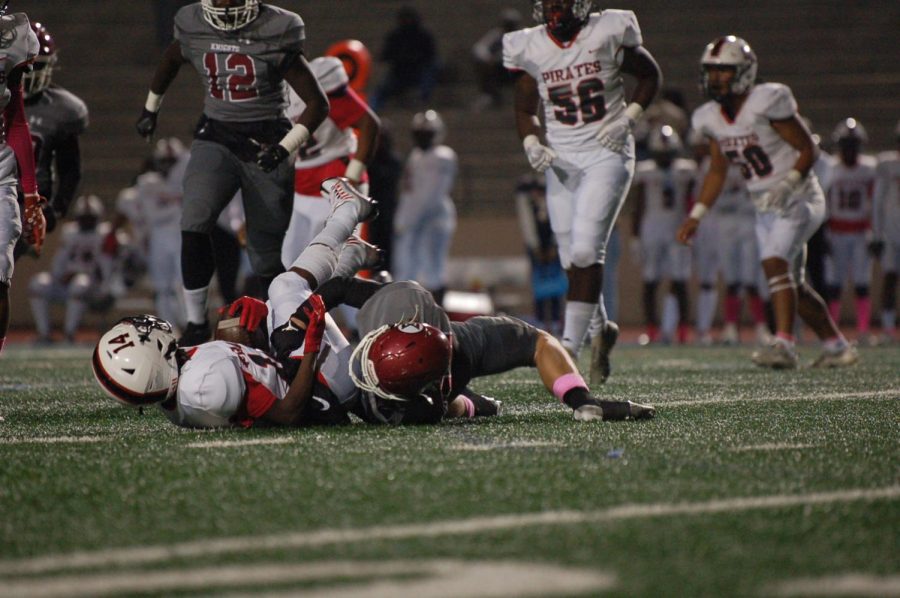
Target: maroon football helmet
<point x="38" y="79"/>
<point x="399" y="361"/>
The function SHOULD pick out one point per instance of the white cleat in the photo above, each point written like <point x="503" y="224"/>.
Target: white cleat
<point x="730" y="335"/>
<point x="764" y="338"/>
<point x="601" y="346"/>
<point x="777" y="356"/>
<point x="338" y="190"/>
<point x="844" y="357"/>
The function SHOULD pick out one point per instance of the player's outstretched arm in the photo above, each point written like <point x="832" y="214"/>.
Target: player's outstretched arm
<point x="166" y="71"/>
<point x="709" y="191"/>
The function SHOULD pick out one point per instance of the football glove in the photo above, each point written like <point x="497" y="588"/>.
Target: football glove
<point x="613" y="135"/>
<point x="539" y="156"/>
<point x="269" y="158"/>
<point x="314" y="308"/>
<point x="776" y="198"/>
<point x="146" y="124"/>
<point x="252" y="311"/>
<point x="34" y="224"/>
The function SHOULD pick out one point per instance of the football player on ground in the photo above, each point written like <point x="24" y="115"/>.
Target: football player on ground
<point x="245" y="51"/>
<point x="220" y="383"/>
<point x="573" y="63"/>
<point x="756" y="127"/>
<point x="414" y="365"/>
<point x="332" y="150"/>
<point x="663" y="185"/>
<point x="849" y="196"/>
<point x="56" y="118"/>
<point x="16" y="155"/>
<point x="886" y="226"/>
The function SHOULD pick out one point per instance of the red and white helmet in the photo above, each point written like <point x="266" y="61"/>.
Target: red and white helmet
<point x="238" y="14"/>
<point x="558" y="19"/>
<point x="41" y="74"/>
<point x="664" y="140"/>
<point x="398" y="361"/>
<point x="849" y="129"/>
<point x="729" y="51"/>
<point x="134" y="362"/>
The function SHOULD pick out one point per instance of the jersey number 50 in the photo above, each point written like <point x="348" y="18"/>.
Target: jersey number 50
<point x="586" y="99"/>
<point x="755" y="161"/>
<point x="239" y="73"/>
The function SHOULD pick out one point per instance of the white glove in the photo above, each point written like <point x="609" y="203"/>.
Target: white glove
<point x="614" y="135"/>
<point x="539" y="156"/>
<point x="776" y="198"/>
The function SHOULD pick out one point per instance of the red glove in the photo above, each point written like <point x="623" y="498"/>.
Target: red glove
<point x="35" y="225"/>
<point x="253" y="312"/>
<point x="314" y="308"/>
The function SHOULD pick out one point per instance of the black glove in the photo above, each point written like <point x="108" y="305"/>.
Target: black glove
<point x="146" y="124"/>
<point x="269" y="158"/>
<point x="876" y="249"/>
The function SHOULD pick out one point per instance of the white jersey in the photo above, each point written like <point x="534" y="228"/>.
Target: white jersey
<point x="428" y="178"/>
<point x="749" y="141"/>
<point x="886" y="220"/>
<point x="158" y="205"/>
<point x="666" y="191"/>
<point x="225" y="384"/>
<point x="330" y="140"/>
<point x="850" y="194"/>
<point x="579" y="82"/>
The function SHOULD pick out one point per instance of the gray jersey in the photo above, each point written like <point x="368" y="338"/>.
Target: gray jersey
<point x="404" y="300"/>
<point x="243" y="69"/>
<point x="53" y="115"/>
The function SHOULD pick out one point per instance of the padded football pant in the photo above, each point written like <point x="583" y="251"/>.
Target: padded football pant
<point x="10" y="230"/>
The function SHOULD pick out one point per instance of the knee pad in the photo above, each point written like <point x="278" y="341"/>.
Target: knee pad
<point x="781" y="282"/>
<point x="40" y="283"/>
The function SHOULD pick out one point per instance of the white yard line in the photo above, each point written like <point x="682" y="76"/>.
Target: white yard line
<point x="232" y="443"/>
<point x="516" y="444"/>
<point x="774" y="446"/>
<point x="56" y="440"/>
<point x="340" y="579"/>
<point x="478" y="525"/>
<point x="893" y="393"/>
<point x="847" y="584"/>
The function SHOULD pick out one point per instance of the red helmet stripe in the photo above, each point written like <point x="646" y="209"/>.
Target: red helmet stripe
<point x="717" y="46"/>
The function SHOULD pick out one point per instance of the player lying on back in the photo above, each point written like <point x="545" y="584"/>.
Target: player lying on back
<point x="757" y="127"/>
<point x="220" y="383"/>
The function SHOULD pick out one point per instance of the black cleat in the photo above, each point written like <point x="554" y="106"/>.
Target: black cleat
<point x="601" y="346"/>
<point x="613" y="411"/>
<point x="195" y="334"/>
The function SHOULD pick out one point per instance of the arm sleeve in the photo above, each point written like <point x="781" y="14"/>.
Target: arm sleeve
<point x="780" y="104"/>
<point x="19" y="138"/>
<point x="346" y="107"/>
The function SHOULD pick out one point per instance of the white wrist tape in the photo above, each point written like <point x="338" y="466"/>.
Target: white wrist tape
<point x="296" y="137"/>
<point x="793" y="177"/>
<point x="355" y="170"/>
<point x="153" y="102"/>
<point x="634" y="111"/>
<point x="698" y="211"/>
<point x="530" y="141"/>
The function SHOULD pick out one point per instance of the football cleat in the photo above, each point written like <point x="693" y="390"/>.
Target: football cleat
<point x="613" y="411"/>
<point x="844" y="357"/>
<point x="763" y="335"/>
<point x="339" y="190"/>
<point x="374" y="257"/>
<point x="195" y="334"/>
<point x="601" y="346"/>
<point x="730" y="334"/>
<point x="777" y="356"/>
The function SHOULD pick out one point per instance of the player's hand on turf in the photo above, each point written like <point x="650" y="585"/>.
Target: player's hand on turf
<point x="269" y="158"/>
<point x="614" y="135"/>
<point x="146" y="124"/>
<point x="539" y="155"/>
<point x="314" y="308"/>
<point x="252" y="312"/>
<point x="687" y="230"/>
<point x="34" y="226"/>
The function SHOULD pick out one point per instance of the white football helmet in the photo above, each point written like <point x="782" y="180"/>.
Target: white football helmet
<point x="664" y="140"/>
<point x="849" y="128"/>
<point x="238" y="14"/>
<point x="134" y="362"/>
<point x="430" y="121"/>
<point x="733" y="52"/>
<point x="88" y="205"/>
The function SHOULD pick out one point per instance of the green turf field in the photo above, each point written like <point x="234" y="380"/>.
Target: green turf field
<point x="749" y="482"/>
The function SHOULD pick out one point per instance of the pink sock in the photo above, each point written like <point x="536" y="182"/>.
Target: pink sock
<point x="757" y="310"/>
<point x="834" y="308"/>
<point x="863" y="314"/>
<point x="787" y="338"/>
<point x="732" y="309"/>
<point x="470" y="406"/>
<point x="567" y="382"/>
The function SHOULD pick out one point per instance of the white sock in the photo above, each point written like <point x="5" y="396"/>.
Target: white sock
<point x="578" y="318"/>
<point x="670" y="317"/>
<point x="706" y="310"/>
<point x="195" y="304"/>
<point x="40" y="309"/>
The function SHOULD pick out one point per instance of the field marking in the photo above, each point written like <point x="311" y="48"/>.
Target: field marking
<point x="847" y="584"/>
<point x="476" y="525"/>
<point x="426" y="579"/>
<point x="893" y="393"/>
<point x="516" y="444"/>
<point x="56" y="440"/>
<point x="772" y="446"/>
<point x="232" y="443"/>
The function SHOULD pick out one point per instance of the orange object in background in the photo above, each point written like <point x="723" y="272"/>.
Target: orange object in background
<point x="357" y="61"/>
